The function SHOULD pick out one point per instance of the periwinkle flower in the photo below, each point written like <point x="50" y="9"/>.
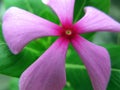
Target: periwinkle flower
<point x="48" y="72"/>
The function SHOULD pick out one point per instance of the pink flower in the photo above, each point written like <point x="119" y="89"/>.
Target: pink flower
<point x="48" y="72"/>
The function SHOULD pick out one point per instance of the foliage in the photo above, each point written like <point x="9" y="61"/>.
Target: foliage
<point x="77" y="76"/>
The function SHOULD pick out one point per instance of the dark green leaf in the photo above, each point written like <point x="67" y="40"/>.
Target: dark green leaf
<point x="103" y="5"/>
<point x="1" y="35"/>
<point x="80" y="4"/>
<point x="115" y="61"/>
<point x="14" y="65"/>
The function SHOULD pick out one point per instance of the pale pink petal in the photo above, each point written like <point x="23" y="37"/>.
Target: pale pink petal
<point x="96" y="20"/>
<point x="63" y="8"/>
<point x="96" y="60"/>
<point x="48" y="72"/>
<point x="20" y="27"/>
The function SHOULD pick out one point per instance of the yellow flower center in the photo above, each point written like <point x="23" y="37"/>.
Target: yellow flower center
<point x="68" y="32"/>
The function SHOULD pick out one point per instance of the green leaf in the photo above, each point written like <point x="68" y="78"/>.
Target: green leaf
<point x="34" y="6"/>
<point x="14" y="65"/>
<point x="78" y="78"/>
<point x="76" y="74"/>
<point x="1" y="35"/>
<point x="78" y="9"/>
<point x="10" y="62"/>
<point x="115" y="61"/>
<point x="103" y="5"/>
<point x="80" y="4"/>
<point x="14" y="82"/>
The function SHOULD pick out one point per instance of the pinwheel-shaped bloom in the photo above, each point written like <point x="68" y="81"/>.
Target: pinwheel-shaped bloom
<point x="48" y="72"/>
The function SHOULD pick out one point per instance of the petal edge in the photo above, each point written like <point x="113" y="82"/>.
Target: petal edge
<point x="95" y="20"/>
<point x="61" y="8"/>
<point x="48" y="72"/>
<point x="96" y="60"/>
<point x="20" y="27"/>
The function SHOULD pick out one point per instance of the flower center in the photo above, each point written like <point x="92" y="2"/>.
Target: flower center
<point x="68" y="32"/>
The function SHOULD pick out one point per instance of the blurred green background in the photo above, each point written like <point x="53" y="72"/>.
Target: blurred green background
<point x="108" y="38"/>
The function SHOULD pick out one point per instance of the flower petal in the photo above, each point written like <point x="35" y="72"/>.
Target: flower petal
<point x="20" y="27"/>
<point x="48" y="72"/>
<point x="96" y="60"/>
<point x="96" y="20"/>
<point x="63" y="8"/>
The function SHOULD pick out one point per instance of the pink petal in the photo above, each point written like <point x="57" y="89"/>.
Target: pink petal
<point x="63" y="8"/>
<point x="96" y="20"/>
<point x="20" y="27"/>
<point x="96" y="60"/>
<point x="48" y="72"/>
